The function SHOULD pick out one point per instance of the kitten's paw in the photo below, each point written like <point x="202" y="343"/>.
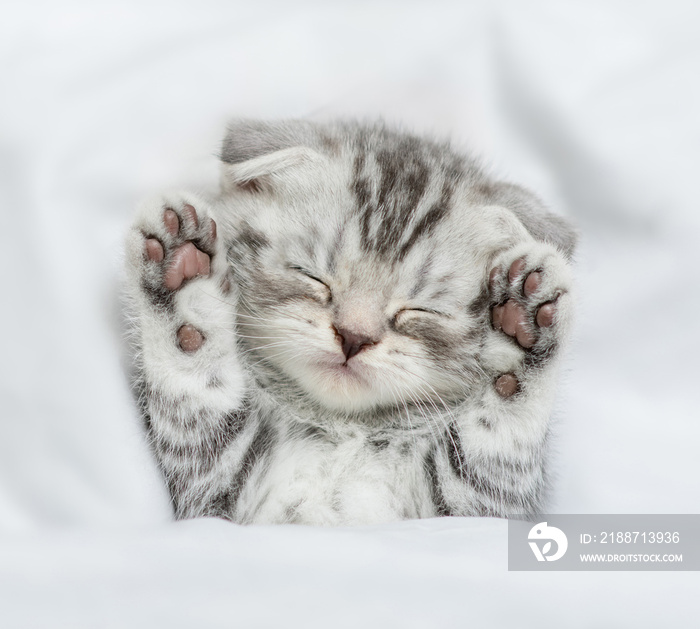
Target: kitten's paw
<point x="183" y="247"/>
<point x="529" y="296"/>
<point x="189" y="338"/>
<point x="174" y="242"/>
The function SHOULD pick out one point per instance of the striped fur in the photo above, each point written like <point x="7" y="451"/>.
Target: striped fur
<point x="335" y="232"/>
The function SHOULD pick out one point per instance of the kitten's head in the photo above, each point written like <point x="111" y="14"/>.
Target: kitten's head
<point x="359" y="256"/>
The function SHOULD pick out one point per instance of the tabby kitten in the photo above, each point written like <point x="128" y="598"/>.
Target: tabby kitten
<point x="363" y="327"/>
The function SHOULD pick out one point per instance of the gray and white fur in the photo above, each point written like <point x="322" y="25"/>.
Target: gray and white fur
<point x="338" y="356"/>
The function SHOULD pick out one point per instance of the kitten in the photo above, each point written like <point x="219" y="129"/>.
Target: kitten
<point x="363" y="327"/>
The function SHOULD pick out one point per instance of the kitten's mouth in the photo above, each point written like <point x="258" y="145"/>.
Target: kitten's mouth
<point x="337" y="382"/>
<point x="345" y="384"/>
<point x="349" y="368"/>
<point x="342" y="371"/>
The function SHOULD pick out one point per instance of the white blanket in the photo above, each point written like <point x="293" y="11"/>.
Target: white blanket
<point x="594" y="105"/>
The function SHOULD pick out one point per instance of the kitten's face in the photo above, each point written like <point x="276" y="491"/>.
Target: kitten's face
<point x="360" y="307"/>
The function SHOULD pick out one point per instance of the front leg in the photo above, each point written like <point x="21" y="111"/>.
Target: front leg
<point x="494" y="462"/>
<point x="189" y="381"/>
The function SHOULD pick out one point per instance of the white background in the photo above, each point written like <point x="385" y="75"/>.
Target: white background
<point x="595" y="105"/>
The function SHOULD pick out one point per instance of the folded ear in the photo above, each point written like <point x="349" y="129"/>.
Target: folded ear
<point x="267" y="171"/>
<point x="255" y="154"/>
<point x="530" y="211"/>
<point x="248" y="139"/>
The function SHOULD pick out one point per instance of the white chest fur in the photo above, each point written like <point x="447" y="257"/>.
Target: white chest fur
<point x="356" y="480"/>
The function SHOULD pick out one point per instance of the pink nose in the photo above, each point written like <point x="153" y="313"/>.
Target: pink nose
<point x="353" y="343"/>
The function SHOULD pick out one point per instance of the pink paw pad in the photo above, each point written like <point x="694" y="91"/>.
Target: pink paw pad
<point x="191" y="215"/>
<point x="183" y="260"/>
<point x="506" y="385"/>
<point x="517" y="316"/>
<point x="189" y="338"/>
<point x="545" y="315"/>
<point x="187" y="262"/>
<point x="171" y="222"/>
<point x="154" y="250"/>
<point x="516" y="270"/>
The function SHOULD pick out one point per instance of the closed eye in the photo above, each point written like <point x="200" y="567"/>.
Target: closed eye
<point x="407" y="314"/>
<point x="311" y="276"/>
<point x="421" y="310"/>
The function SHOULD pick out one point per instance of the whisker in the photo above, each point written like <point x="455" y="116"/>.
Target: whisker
<point x="267" y="358"/>
<point x="446" y="426"/>
<point x="412" y="429"/>
<point x="266" y="346"/>
<point x="246" y="336"/>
